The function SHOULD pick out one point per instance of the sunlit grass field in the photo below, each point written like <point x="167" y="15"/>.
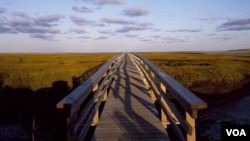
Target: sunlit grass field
<point x="210" y="73"/>
<point x="205" y="73"/>
<point x="37" y="71"/>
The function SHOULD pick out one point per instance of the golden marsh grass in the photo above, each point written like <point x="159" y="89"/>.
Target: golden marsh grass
<point x="37" y="71"/>
<point x="206" y="73"/>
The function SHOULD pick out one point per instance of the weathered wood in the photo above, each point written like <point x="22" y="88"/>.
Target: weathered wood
<point x="72" y="102"/>
<point x="129" y="113"/>
<point x="93" y="117"/>
<point x="187" y="99"/>
<point x="162" y="85"/>
<point x="167" y="114"/>
<point x="191" y="122"/>
<point x="96" y="85"/>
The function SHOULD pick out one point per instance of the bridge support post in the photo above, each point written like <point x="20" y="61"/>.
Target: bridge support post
<point x="191" y="135"/>
<point x="70" y="134"/>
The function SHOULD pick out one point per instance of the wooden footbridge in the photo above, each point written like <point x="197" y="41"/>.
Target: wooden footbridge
<point x="130" y="99"/>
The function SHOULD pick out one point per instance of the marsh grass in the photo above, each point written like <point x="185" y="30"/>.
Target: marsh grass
<point x="206" y="73"/>
<point x="32" y="84"/>
<point x="193" y="70"/>
<point x="37" y="71"/>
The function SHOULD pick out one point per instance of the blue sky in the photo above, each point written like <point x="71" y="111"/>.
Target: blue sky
<point x="123" y="25"/>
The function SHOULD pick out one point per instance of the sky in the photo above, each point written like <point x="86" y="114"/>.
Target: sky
<point x="123" y="25"/>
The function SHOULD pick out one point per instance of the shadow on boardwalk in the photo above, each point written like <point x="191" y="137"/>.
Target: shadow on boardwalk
<point x="138" y="119"/>
<point x="129" y="113"/>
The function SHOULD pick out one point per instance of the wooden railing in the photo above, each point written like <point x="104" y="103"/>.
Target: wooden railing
<point x="178" y="106"/>
<point x="81" y="107"/>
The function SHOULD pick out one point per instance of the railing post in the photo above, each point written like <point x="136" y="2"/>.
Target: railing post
<point x="78" y="118"/>
<point x="164" y="119"/>
<point x="95" y="88"/>
<point x="150" y="91"/>
<point x="191" y="135"/>
<point x="152" y="74"/>
<point x="96" y="118"/>
<point x="146" y="66"/>
<point x="163" y="88"/>
<point x="105" y="97"/>
<point x="105" y="74"/>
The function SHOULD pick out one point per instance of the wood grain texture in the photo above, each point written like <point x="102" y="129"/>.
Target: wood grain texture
<point x="129" y="113"/>
<point x="189" y="101"/>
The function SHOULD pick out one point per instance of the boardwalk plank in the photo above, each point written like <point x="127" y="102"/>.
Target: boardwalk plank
<point x="129" y="114"/>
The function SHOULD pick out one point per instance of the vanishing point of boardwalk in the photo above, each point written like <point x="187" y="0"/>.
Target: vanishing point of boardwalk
<point x="129" y="113"/>
<point x="120" y="98"/>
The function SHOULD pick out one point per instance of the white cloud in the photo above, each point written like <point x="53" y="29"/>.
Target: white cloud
<point x="107" y="32"/>
<point x="82" y="9"/>
<point x="185" y="30"/>
<point x="47" y="20"/>
<point x="235" y="25"/>
<point x="135" y="12"/>
<point x="130" y="28"/>
<point x="80" y="20"/>
<point x="20" y="14"/>
<point x="104" y="2"/>
<point x="78" y="31"/>
<point x="42" y="36"/>
<point x="101" y="38"/>
<point x="113" y="20"/>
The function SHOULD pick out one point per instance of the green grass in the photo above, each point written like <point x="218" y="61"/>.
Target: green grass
<point x="199" y="71"/>
<point x="37" y="71"/>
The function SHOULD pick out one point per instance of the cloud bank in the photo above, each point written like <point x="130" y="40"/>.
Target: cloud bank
<point x="38" y="27"/>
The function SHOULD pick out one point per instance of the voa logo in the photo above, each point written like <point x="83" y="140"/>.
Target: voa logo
<point x="236" y="132"/>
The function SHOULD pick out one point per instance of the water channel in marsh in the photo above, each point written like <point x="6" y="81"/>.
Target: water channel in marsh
<point x="223" y="109"/>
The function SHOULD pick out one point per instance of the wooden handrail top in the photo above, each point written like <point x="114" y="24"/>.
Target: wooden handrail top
<point x="189" y="101"/>
<point x="73" y="100"/>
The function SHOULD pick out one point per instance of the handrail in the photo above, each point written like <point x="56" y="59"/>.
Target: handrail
<point x="161" y="86"/>
<point x="90" y="94"/>
<point x="81" y="107"/>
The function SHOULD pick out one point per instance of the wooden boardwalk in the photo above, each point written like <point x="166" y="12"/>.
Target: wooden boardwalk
<point x="129" y="113"/>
